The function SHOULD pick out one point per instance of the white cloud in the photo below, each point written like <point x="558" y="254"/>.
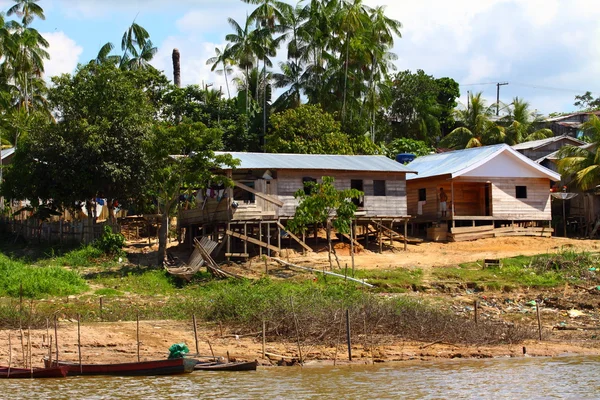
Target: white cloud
<point x="64" y="54"/>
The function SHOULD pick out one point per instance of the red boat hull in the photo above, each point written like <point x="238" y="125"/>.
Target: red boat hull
<point x="24" y="373"/>
<point x="173" y="366"/>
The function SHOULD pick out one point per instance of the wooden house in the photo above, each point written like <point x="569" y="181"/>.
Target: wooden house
<point x="261" y="202"/>
<point x="489" y="186"/>
<point x="544" y="151"/>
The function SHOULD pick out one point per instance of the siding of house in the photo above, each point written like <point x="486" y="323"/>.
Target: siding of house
<point x="393" y="204"/>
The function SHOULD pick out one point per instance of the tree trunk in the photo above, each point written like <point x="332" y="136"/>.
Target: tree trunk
<point x="345" y="77"/>
<point x="163" y="235"/>
<point x="176" y="68"/>
<point x="329" y="244"/>
<point x="226" y="80"/>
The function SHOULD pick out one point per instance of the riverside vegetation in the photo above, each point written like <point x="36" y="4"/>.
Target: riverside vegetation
<point x="41" y="283"/>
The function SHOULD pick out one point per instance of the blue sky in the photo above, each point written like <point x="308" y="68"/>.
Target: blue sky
<point x="544" y="49"/>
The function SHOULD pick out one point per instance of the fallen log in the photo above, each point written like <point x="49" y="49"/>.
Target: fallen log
<point x="322" y="272"/>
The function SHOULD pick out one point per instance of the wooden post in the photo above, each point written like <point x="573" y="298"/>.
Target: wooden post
<point x="380" y="236"/>
<point x="391" y="232"/>
<point x="137" y="334"/>
<point x="79" y="342"/>
<point x="537" y="309"/>
<point x="476" y="309"/>
<point x="297" y="330"/>
<point x="211" y="349"/>
<point x="56" y="336"/>
<point x="195" y="333"/>
<point x="101" y="308"/>
<point x="348" y="335"/>
<point x="228" y="241"/>
<point x="29" y="348"/>
<point x="264" y="334"/>
<point x="352" y="236"/>
<point x="9" y="354"/>
<point x="245" y="241"/>
<point x="405" y="234"/>
<point x="303" y="241"/>
<point x="50" y="350"/>
<point x="279" y="235"/>
<point x="269" y="238"/>
<point x="260" y="237"/>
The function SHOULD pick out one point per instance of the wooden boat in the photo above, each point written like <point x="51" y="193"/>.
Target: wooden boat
<point x="172" y="366"/>
<point x="226" y="366"/>
<point x="24" y="373"/>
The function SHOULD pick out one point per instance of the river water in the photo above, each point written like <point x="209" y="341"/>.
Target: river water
<point x="510" y="378"/>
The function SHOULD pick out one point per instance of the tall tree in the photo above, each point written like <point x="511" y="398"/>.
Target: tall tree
<point x="476" y="129"/>
<point x="522" y="122"/>
<point x="222" y="58"/>
<point x="582" y="164"/>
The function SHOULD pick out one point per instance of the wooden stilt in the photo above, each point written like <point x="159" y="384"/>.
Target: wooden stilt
<point x="260" y="237"/>
<point x="278" y="235"/>
<point x="245" y="241"/>
<point x="405" y="234"/>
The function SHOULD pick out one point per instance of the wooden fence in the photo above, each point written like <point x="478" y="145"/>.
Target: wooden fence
<point x="80" y="231"/>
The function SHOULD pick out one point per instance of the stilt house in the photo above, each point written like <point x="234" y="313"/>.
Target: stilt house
<point x="255" y="211"/>
<point x="492" y="186"/>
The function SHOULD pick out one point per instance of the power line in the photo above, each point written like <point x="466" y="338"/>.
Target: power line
<point x="548" y="87"/>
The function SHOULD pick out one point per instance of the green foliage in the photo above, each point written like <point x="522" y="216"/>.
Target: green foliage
<point x="397" y="280"/>
<point x="406" y="145"/>
<point x="582" y="164"/>
<point x="108" y="292"/>
<point x="96" y="148"/>
<point x="37" y="281"/>
<point x="422" y="106"/>
<point x="310" y="130"/>
<point x="322" y="203"/>
<point x="586" y="102"/>
<point x="83" y="257"/>
<point x="110" y="242"/>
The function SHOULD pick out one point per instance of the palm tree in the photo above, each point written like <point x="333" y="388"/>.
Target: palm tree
<point x="290" y="75"/>
<point x="27" y="10"/>
<point x="222" y="58"/>
<point x="137" y="48"/>
<point x="521" y="123"/>
<point x="353" y="19"/>
<point x="477" y="129"/>
<point x="583" y="163"/>
<point x="242" y="49"/>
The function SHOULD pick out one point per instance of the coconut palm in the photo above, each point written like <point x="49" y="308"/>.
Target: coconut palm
<point x="222" y="58"/>
<point x="27" y="10"/>
<point x="136" y="46"/>
<point x="242" y="49"/>
<point x="583" y="163"/>
<point x="476" y="127"/>
<point x="290" y="76"/>
<point x="521" y="123"/>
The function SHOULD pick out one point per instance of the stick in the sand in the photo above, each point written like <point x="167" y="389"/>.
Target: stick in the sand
<point x="476" y="309"/>
<point x="137" y="332"/>
<point x="263" y="338"/>
<point x="9" y="355"/>
<point x="211" y="350"/>
<point x="22" y="346"/>
<point x="337" y="343"/>
<point x="47" y="328"/>
<point x="79" y="342"/>
<point x="537" y="309"/>
<point x="101" y="301"/>
<point x="29" y="347"/>
<point x="297" y="331"/>
<point x="195" y="332"/>
<point x="50" y="351"/>
<point x="56" y="337"/>
<point x="348" y="334"/>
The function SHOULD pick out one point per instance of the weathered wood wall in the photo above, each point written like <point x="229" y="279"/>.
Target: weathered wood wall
<point x="469" y="198"/>
<point x="393" y="204"/>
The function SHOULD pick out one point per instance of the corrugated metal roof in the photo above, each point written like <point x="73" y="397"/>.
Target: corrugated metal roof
<point x="450" y="162"/>
<point x="318" y="162"/>
<point x="6" y="152"/>
<point x="457" y="162"/>
<point x="541" y="142"/>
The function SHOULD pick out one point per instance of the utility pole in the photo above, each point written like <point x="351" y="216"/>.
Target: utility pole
<point x="468" y="100"/>
<point x="498" y="96"/>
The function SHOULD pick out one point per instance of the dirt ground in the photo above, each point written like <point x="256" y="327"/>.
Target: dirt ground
<point x="116" y="342"/>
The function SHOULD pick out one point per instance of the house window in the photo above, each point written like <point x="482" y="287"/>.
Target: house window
<point x="521" y="192"/>
<point x="358" y="185"/>
<point x="379" y="188"/>
<point x="308" y="184"/>
<point x="422" y="194"/>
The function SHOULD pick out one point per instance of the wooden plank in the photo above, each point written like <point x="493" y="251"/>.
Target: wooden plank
<point x="251" y="240"/>
<point x="396" y="235"/>
<point x="294" y="237"/>
<point x="322" y="272"/>
<point x="471" y="229"/>
<point x="467" y="237"/>
<point x="241" y="255"/>
<point x="263" y="196"/>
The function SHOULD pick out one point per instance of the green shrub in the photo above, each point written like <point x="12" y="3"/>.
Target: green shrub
<point x="110" y="242"/>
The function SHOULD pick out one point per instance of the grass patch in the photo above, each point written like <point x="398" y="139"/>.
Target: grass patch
<point x="541" y="271"/>
<point x="108" y="292"/>
<point x="397" y="280"/>
<point x="83" y="257"/>
<point x="140" y="281"/>
<point x="36" y="282"/>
